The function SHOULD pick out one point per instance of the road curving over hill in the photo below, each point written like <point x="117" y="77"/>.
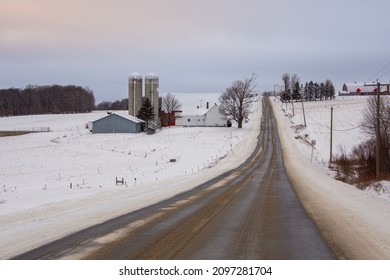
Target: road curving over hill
<point x="251" y="212"/>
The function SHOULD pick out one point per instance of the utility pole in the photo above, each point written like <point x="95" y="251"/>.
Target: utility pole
<point x="303" y="108"/>
<point x="292" y="102"/>
<point x="331" y="136"/>
<point x="377" y="126"/>
<point x="377" y="130"/>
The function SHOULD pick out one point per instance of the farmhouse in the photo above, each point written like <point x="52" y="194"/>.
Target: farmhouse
<point x="203" y="117"/>
<point x="118" y="123"/>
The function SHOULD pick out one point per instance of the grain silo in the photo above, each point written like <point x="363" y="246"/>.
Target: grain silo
<point x="135" y="93"/>
<point x="151" y="92"/>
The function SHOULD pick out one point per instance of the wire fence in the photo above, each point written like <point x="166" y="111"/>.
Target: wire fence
<point x="33" y="129"/>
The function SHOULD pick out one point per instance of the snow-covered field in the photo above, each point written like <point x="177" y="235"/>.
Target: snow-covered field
<point x="347" y="118"/>
<point x="37" y="204"/>
<point x="52" y="184"/>
<point x="354" y="222"/>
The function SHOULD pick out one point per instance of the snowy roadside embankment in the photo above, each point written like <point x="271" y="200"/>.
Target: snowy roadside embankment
<point x="54" y="184"/>
<point x="354" y="222"/>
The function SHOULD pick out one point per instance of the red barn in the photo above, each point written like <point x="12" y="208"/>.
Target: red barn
<point x="362" y="89"/>
<point x="168" y="119"/>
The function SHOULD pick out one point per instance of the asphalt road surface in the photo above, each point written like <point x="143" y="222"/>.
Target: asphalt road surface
<point x="251" y="212"/>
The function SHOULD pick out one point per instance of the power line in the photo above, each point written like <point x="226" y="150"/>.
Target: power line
<point x="317" y="122"/>
<point x="341" y="130"/>
<point x="377" y="73"/>
<point x="349" y="129"/>
<point x="331" y="133"/>
<point x="387" y="72"/>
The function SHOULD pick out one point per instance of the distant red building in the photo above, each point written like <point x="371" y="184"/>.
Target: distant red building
<point x="362" y="89"/>
<point x="168" y="119"/>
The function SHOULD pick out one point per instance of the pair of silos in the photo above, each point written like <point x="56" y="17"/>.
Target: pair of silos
<point x="151" y="92"/>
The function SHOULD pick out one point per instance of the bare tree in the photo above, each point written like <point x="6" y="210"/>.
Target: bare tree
<point x="286" y="81"/>
<point x="236" y="100"/>
<point x="54" y="99"/>
<point x="294" y="80"/>
<point x="170" y="103"/>
<point x="369" y="127"/>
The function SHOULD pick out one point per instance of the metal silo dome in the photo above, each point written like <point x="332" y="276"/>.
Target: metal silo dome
<point x="135" y="76"/>
<point x="151" y="76"/>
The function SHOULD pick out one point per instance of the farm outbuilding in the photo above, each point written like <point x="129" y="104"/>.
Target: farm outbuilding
<point x="118" y="123"/>
<point x="203" y="117"/>
<point x="357" y="88"/>
<point x="362" y="89"/>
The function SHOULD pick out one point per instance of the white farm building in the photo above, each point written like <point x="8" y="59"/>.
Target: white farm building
<point x="203" y="117"/>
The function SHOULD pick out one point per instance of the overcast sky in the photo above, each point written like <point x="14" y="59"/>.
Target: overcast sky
<point x="193" y="45"/>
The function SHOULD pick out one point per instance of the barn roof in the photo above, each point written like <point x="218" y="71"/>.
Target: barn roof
<point x="357" y="87"/>
<point x="122" y="115"/>
<point x="196" y="103"/>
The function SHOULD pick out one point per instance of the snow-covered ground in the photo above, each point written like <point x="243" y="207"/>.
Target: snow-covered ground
<point x="37" y="204"/>
<point x="347" y="118"/>
<point x="354" y="222"/>
<point x="53" y="184"/>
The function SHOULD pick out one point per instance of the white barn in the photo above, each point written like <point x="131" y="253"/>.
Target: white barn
<point x="203" y="117"/>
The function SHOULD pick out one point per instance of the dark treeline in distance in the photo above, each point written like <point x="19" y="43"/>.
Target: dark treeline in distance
<point x="47" y="99"/>
<point x="116" y="105"/>
<point x="311" y="91"/>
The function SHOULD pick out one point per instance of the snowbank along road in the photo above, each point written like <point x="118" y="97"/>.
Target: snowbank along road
<point x="353" y="221"/>
<point x="248" y="213"/>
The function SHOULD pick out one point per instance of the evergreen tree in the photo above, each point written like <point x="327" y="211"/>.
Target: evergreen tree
<point x="311" y="90"/>
<point x="297" y="91"/>
<point x="316" y="91"/>
<point x="306" y="91"/>
<point x="322" y="91"/>
<point x="330" y="90"/>
<point x="146" y="112"/>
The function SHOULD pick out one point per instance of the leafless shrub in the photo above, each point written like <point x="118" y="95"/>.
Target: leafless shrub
<point x="298" y="128"/>
<point x="362" y="159"/>
<point x="344" y="165"/>
<point x="369" y="128"/>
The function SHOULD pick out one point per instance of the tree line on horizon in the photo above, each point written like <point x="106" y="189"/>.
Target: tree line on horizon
<point x="47" y="99"/>
<point x="122" y="104"/>
<point x="311" y="91"/>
